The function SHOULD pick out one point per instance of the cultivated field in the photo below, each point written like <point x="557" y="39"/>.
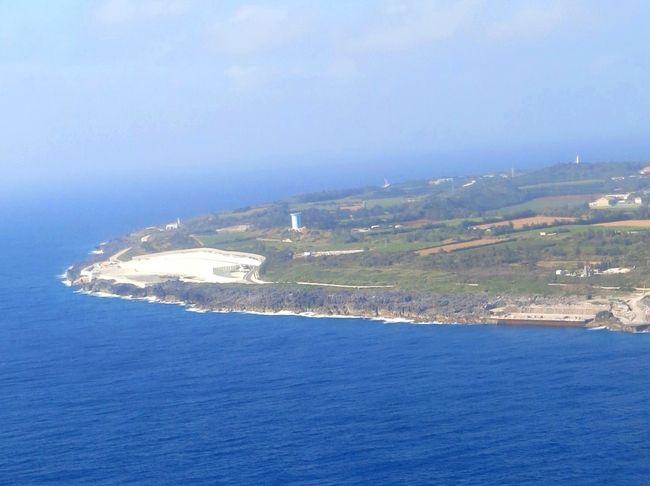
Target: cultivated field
<point x="548" y="203"/>
<point x="520" y="223"/>
<point x="460" y="246"/>
<point x="376" y="237"/>
<point x="635" y="223"/>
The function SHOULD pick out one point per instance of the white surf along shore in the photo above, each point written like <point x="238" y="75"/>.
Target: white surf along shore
<point x="288" y="313"/>
<point x="196" y="265"/>
<point x="210" y="265"/>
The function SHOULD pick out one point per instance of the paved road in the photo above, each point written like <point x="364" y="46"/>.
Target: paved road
<point x="116" y="257"/>
<point x="639" y="309"/>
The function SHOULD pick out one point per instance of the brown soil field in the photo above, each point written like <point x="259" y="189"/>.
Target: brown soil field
<point x="530" y="221"/>
<point x="460" y="246"/>
<point x="636" y="223"/>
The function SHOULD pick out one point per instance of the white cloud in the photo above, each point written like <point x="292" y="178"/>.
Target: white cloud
<point x="530" y="21"/>
<point x="406" y="24"/>
<point x="119" y="11"/>
<point x="254" y="28"/>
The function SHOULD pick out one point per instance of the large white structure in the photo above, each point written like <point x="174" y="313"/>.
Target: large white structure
<point x="296" y="221"/>
<point x="173" y="226"/>
<point x="197" y="265"/>
<point x="616" y="200"/>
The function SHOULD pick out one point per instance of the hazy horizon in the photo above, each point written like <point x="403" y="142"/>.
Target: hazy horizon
<point x="96" y="91"/>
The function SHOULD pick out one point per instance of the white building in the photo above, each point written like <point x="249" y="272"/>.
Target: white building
<point x="601" y="202"/>
<point x="173" y="226"/>
<point x="616" y="200"/>
<point x="296" y="221"/>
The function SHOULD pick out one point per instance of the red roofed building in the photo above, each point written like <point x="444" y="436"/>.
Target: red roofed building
<point x="645" y="170"/>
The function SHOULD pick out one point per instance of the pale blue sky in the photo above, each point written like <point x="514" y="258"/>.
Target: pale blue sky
<point x="109" y="87"/>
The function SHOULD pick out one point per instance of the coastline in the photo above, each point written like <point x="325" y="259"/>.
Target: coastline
<point x="159" y="296"/>
<point x="486" y="265"/>
<point x="308" y="314"/>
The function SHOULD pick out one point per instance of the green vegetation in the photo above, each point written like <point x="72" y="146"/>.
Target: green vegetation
<point x="565" y="184"/>
<point x="391" y="224"/>
<point x="549" y="205"/>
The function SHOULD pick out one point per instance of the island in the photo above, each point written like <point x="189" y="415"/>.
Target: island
<point x="565" y="245"/>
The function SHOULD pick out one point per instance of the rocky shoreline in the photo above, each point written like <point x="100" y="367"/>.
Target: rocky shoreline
<point x="382" y="304"/>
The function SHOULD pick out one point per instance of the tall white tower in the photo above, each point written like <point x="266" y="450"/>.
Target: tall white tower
<point x="296" y="221"/>
<point x="577" y="159"/>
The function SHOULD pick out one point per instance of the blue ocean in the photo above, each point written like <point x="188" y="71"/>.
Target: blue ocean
<point x="107" y="391"/>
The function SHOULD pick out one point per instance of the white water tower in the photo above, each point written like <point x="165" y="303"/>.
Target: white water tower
<point x="296" y="221"/>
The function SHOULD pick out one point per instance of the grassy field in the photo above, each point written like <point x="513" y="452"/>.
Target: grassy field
<point x="384" y="262"/>
<point x="218" y="240"/>
<point x="444" y="238"/>
<point x="520" y="223"/>
<point x="630" y="223"/>
<point x="410" y="276"/>
<point x="563" y="184"/>
<point x="463" y="245"/>
<point x="543" y="205"/>
<point x="387" y="202"/>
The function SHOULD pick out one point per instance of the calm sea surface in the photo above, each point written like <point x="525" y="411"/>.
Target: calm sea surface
<point x="106" y="391"/>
